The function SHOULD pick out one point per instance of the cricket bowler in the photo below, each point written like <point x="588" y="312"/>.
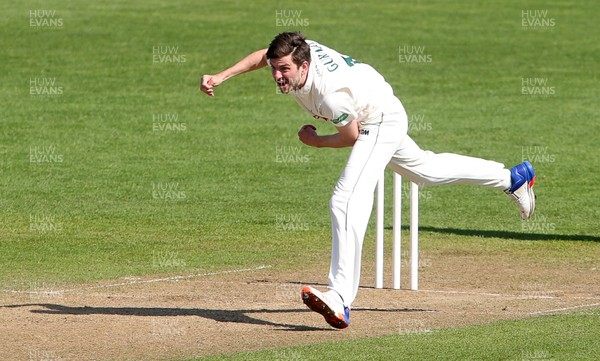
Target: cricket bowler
<point x="368" y="117"/>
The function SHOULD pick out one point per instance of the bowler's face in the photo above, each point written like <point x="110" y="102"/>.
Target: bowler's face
<point x="288" y="75"/>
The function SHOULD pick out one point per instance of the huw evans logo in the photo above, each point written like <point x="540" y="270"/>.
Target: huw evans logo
<point x="413" y="54"/>
<point x="40" y="290"/>
<point x="167" y="54"/>
<point x="291" y="18"/>
<point x="538" y="223"/>
<point x="167" y="122"/>
<point x="412" y="326"/>
<point x="537" y="154"/>
<point x="537" y="87"/>
<point x="423" y="260"/>
<point x="167" y="191"/>
<point x="289" y="355"/>
<point x="42" y="355"/>
<point x="536" y="290"/>
<point x="167" y="259"/>
<point x="290" y="154"/>
<point x="44" y="223"/>
<point x="417" y="123"/>
<point x="536" y="355"/>
<point x="290" y="222"/>
<point x="44" y="154"/>
<point x="286" y="292"/>
<point x="46" y="19"/>
<point x="536" y="20"/>
<point x="44" y="86"/>
<point x="423" y="193"/>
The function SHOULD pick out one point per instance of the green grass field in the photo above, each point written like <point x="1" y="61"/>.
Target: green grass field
<point x="558" y="337"/>
<point x="113" y="163"/>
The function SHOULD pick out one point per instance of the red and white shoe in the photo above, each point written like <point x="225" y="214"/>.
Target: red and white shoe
<point x="335" y="313"/>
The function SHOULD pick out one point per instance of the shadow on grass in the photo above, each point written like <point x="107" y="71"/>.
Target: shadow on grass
<point x="509" y="235"/>
<point x="235" y="316"/>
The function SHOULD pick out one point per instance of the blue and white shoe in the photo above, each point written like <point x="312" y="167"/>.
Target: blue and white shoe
<point x="521" y="189"/>
<point x="335" y="313"/>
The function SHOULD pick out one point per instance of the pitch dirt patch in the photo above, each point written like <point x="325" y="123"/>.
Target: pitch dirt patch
<point x="259" y="308"/>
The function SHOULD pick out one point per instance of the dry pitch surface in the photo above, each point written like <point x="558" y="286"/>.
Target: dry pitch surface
<point x="258" y="308"/>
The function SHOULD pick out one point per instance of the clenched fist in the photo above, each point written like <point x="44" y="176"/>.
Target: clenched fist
<point x="308" y="135"/>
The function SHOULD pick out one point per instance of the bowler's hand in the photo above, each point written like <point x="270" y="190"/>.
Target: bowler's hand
<point x="308" y="135"/>
<point x="208" y="82"/>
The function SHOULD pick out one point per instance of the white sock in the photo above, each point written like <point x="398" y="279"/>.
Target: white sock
<point x="334" y="296"/>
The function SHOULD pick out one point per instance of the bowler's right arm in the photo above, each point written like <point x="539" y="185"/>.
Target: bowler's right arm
<point x="254" y="61"/>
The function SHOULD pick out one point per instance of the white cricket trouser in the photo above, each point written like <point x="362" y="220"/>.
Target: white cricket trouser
<point x="380" y="145"/>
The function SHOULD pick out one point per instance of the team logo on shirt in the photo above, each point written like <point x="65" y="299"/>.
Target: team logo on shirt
<point x="340" y="118"/>
<point x="334" y="121"/>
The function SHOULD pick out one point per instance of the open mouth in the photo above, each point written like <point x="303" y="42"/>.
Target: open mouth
<point x="282" y="84"/>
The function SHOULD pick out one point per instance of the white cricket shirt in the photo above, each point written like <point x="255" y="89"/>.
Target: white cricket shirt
<point x="339" y="89"/>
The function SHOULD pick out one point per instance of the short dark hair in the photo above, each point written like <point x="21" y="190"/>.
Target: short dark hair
<point x="288" y="43"/>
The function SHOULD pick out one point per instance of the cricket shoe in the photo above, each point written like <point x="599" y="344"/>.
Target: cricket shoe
<point x="521" y="189"/>
<point x="335" y="313"/>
